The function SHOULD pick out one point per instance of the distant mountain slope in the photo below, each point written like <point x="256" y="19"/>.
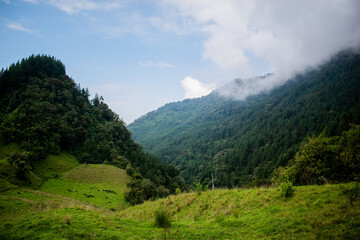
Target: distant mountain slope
<point x="240" y="141"/>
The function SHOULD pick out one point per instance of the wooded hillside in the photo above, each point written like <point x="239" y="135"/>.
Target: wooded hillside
<point x="243" y="141"/>
<point x="44" y="111"/>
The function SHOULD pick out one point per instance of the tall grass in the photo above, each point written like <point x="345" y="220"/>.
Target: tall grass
<point x="162" y="219"/>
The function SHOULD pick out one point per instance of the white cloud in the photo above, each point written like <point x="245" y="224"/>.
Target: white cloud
<point x="76" y="6"/>
<point x="194" y="88"/>
<point x="290" y="35"/>
<point x="157" y="64"/>
<point x="18" y="27"/>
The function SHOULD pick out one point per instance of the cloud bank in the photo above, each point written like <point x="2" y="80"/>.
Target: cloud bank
<point x="290" y="35"/>
<point x="194" y="88"/>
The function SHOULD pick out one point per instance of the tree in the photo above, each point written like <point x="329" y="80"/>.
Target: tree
<point x="324" y="159"/>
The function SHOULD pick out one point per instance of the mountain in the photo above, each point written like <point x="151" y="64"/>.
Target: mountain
<point x="43" y="111"/>
<point x="243" y="141"/>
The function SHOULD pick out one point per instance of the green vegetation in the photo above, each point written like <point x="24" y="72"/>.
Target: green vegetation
<point x="287" y="189"/>
<point x="99" y="185"/>
<point x="325" y="160"/>
<point x="243" y="142"/>
<point x="43" y="113"/>
<point x="54" y="166"/>
<point x="47" y="124"/>
<point x="314" y="212"/>
<point x="162" y="219"/>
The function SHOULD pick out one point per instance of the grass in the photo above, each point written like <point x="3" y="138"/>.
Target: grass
<point x="323" y="212"/>
<point x="96" y="173"/>
<point x="54" y="166"/>
<point x="314" y="212"/>
<point x="98" y="184"/>
<point x="86" y="202"/>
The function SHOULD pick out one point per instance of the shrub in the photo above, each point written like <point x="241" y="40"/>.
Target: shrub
<point x="353" y="192"/>
<point x="177" y="191"/>
<point x="20" y="162"/>
<point x="286" y="190"/>
<point x="162" y="219"/>
<point x="129" y="170"/>
<point x="199" y="187"/>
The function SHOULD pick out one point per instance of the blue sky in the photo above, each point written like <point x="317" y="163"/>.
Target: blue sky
<point x="142" y="54"/>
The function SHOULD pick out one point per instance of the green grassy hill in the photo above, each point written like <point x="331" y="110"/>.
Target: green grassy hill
<point x="99" y="185"/>
<point x="54" y="166"/>
<point x="314" y="212"/>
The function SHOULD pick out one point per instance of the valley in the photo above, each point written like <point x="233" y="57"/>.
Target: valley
<point x="285" y="162"/>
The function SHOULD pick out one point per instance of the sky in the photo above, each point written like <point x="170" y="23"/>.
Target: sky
<point x="142" y="54"/>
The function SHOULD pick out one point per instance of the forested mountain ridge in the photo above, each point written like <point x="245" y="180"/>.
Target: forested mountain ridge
<point x="242" y="141"/>
<point x="45" y="112"/>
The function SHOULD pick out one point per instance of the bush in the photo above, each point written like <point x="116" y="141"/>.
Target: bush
<point x="162" y="219"/>
<point x="286" y="190"/>
<point x="353" y="192"/>
<point x="129" y="170"/>
<point x="199" y="187"/>
<point x="177" y="191"/>
<point x="323" y="160"/>
<point x="20" y="162"/>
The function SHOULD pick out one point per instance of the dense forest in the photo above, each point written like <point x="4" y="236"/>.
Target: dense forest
<point x="44" y="111"/>
<point x="242" y="142"/>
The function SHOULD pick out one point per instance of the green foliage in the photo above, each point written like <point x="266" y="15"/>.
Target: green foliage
<point x="54" y="166"/>
<point x="199" y="187"/>
<point x="144" y="189"/>
<point x="120" y="162"/>
<point x="45" y="112"/>
<point x="286" y="190"/>
<point x="19" y="171"/>
<point x="5" y="185"/>
<point x="162" y="219"/>
<point x="242" y="141"/>
<point x="20" y="162"/>
<point x="352" y="191"/>
<point x="259" y="183"/>
<point x="177" y="191"/>
<point x="129" y="170"/>
<point x="324" y="159"/>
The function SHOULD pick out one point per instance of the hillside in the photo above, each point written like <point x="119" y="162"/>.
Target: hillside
<point x="243" y="141"/>
<point x="314" y="212"/>
<point x="43" y="113"/>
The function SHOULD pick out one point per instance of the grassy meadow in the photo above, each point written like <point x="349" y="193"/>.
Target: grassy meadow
<point x="87" y="202"/>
